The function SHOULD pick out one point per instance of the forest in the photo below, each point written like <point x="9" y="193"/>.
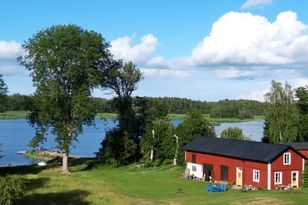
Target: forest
<point x="241" y="109"/>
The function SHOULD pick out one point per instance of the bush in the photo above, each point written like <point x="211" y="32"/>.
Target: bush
<point x="157" y="163"/>
<point x="11" y="187"/>
<point x="148" y="164"/>
<point x="168" y="161"/>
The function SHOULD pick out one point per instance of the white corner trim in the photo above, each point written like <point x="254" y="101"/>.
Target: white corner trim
<point x="269" y="174"/>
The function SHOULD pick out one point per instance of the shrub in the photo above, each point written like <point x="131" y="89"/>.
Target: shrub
<point x="11" y="187"/>
<point x="168" y="161"/>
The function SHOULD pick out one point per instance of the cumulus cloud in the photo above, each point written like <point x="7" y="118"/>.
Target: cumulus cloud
<point x="152" y="72"/>
<point x="10" y="50"/>
<point x="123" y="48"/>
<point x="256" y="95"/>
<point x="253" y="3"/>
<point x="251" y="40"/>
<point x="235" y="73"/>
<point x="157" y="62"/>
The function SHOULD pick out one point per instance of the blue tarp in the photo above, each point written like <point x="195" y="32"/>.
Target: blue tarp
<point x="215" y="187"/>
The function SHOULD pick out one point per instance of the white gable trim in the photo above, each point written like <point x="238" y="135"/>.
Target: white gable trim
<point x="269" y="172"/>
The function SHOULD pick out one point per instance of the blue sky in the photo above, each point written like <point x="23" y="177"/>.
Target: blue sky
<point x="204" y="50"/>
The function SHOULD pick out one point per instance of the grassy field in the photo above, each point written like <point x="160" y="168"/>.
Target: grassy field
<point x="12" y="115"/>
<point x="132" y="185"/>
<point x="182" y="116"/>
<point x="23" y="114"/>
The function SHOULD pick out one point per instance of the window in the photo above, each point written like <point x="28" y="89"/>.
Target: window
<point x="287" y="158"/>
<point x="193" y="168"/>
<point x="224" y="173"/>
<point x="278" y="177"/>
<point x="193" y="158"/>
<point x="256" y="175"/>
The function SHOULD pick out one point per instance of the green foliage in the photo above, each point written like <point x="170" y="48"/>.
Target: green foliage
<point x="282" y="117"/>
<point x="63" y="62"/>
<point x="11" y="188"/>
<point x="18" y="102"/>
<point x="234" y="133"/>
<point x="301" y="94"/>
<point x="121" y="145"/>
<point x="305" y="176"/>
<point x="194" y="125"/>
<point x="162" y="143"/>
<point x="3" y="92"/>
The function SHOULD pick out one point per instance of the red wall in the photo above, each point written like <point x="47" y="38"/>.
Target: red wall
<point x="296" y="165"/>
<point x="303" y="152"/>
<point x="247" y="167"/>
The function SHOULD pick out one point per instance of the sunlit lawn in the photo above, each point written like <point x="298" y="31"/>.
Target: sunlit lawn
<point x="132" y="185"/>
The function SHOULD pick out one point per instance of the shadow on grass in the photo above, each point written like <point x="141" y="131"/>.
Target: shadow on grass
<point x="32" y="184"/>
<point x="21" y="170"/>
<point x="75" y="197"/>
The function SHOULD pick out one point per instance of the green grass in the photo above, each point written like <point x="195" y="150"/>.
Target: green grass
<point x="12" y="115"/>
<point x="23" y="114"/>
<point x="132" y="185"/>
<point x="218" y="120"/>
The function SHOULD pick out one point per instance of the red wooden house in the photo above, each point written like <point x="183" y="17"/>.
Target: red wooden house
<point x="240" y="162"/>
<point x="301" y="147"/>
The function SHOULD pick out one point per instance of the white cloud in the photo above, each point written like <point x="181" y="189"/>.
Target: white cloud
<point x="123" y="48"/>
<point x="152" y="72"/>
<point x="253" y="3"/>
<point x="10" y="50"/>
<point x="252" y="40"/>
<point x="157" y="62"/>
<point x="256" y="95"/>
<point x="235" y="73"/>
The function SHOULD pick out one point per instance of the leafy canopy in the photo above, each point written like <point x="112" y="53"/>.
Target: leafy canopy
<point x="282" y="118"/>
<point x="63" y="62"/>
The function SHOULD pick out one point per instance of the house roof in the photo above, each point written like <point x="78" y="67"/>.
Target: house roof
<point x="298" y="145"/>
<point x="248" y="150"/>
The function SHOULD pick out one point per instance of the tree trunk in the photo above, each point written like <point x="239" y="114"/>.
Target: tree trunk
<point x="152" y="151"/>
<point x="176" y="150"/>
<point x="65" y="163"/>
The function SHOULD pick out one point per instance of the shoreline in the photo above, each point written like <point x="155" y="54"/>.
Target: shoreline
<point x="15" y="115"/>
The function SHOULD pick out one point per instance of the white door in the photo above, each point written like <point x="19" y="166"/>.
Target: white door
<point x="239" y="176"/>
<point x="294" y="179"/>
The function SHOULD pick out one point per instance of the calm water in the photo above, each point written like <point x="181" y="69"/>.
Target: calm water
<point x="16" y="134"/>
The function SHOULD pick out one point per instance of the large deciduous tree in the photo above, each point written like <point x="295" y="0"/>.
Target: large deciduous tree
<point x="282" y="117"/>
<point x="194" y="125"/>
<point x="63" y="62"/>
<point x="301" y="94"/>
<point x="121" y="144"/>
<point x="3" y="92"/>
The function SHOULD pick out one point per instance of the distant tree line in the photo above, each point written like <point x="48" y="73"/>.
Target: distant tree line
<point x="242" y="109"/>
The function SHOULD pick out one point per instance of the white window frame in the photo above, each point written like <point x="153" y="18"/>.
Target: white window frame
<point x="280" y="178"/>
<point x="284" y="158"/>
<point x="255" y="175"/>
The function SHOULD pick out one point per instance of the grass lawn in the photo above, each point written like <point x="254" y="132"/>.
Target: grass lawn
<point x="23" y="114"/>
<point x="182" y="116"/>
<point x="12" y="115"/>
<point x="132" y="185"/>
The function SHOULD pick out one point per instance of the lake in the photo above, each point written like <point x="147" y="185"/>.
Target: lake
<point x="16" y="134"/>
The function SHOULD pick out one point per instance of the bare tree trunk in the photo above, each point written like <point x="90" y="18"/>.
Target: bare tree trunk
<point x="152" y="151"/>
<point x="65" y="163"/>
<point x="176" y="150"/>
